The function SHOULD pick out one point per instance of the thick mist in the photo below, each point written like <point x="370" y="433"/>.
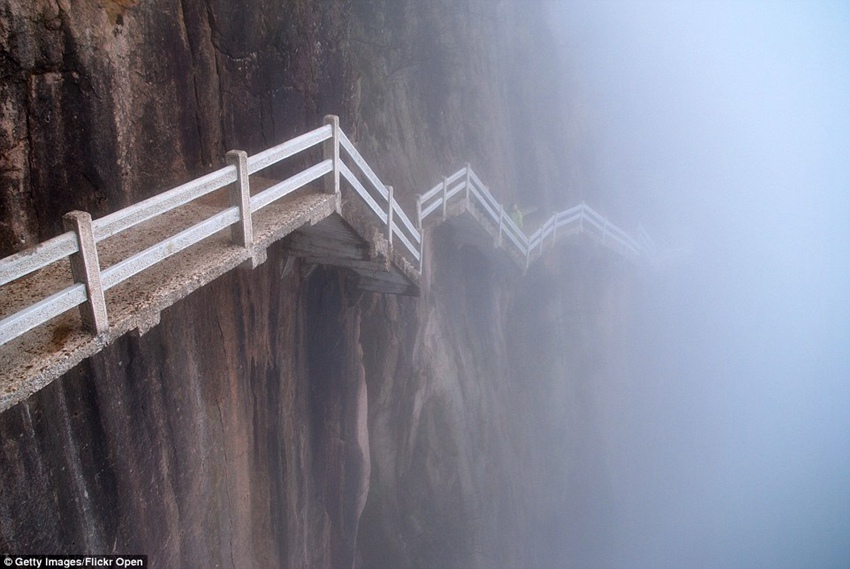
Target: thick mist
<point x="725" y="128"/>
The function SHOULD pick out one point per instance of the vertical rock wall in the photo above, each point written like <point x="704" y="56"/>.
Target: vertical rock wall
<point x="230" y="435"/>
<point x="485" y="424"/>
<point x="106" y="102"/>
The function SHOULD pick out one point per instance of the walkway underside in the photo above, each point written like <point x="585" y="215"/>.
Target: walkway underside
<point x="334" y="242"/>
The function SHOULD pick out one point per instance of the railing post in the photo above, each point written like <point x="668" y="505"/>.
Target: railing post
<point x="330" y="149"/>
<point x="85" y="267"/>
<point x="390" y="217"/>
<point x="467" y="184"/>
<point x="419" y="214"/>
<point x="242" y="233"/>
<point x="445" y="195"/>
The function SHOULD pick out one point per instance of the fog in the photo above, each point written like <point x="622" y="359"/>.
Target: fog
<point x="725" y="128"/>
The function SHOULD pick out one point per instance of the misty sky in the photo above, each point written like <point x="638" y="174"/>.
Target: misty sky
<point x="726" y="126"/>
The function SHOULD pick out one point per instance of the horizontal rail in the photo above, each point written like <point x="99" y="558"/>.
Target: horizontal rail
<point x="439" y="187"/>
<point x="362" y="165"/>
<point x="403" y="238"/>
<point x="570" y="211"/>
<point x="21" y="264"/>
<point x="566" y="222"/>
<point x="289" y="148"/>
<point x="123" y="219"/>
<point x="428" y="210"/>
<point x="534" y="236"/>
<point x="358" y="186"/>
<point x="455" y="190"/>
<point x="594" y="222"/>
<point x="290" y="185"/>
<point x="487" y="207"/>
<point x="350" y="177"/>
<point x="122" y="271"/>
<point x="431" y="193"/>
<point x="610" y="231"/>
<point x="25" y="320"/>
<point x="456" y="176"/>
<point x="514" y="235"/>
<point x="514" y="229"/>
<point x="484" y="191"/>
<point x="399" y="214"/>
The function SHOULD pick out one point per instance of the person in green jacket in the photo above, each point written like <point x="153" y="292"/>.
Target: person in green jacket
<point x="516" y="215"/>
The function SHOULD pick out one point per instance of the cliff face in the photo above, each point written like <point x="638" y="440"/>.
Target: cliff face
<point x="106" y="102"/>
<point x="488" y="440"/>
<point x="488" y="397"/>
<point x="232" y="434"/>
<point x="238" y="432"/>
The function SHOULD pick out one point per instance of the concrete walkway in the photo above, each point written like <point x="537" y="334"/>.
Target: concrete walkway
<point x="319" y="234"/>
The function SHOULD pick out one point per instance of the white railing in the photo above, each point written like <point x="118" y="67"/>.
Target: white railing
<point x="374" y="192"/>
<point x="80" y="243"/>
<point x="465" y="185"/>
<point x="340" y="161"/>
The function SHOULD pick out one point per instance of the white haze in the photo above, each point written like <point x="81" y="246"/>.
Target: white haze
<point x="726" y="127"/>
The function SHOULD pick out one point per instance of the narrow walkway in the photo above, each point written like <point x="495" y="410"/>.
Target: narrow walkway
<point x="121" y="271"/>
<point x="34" y="359"/>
